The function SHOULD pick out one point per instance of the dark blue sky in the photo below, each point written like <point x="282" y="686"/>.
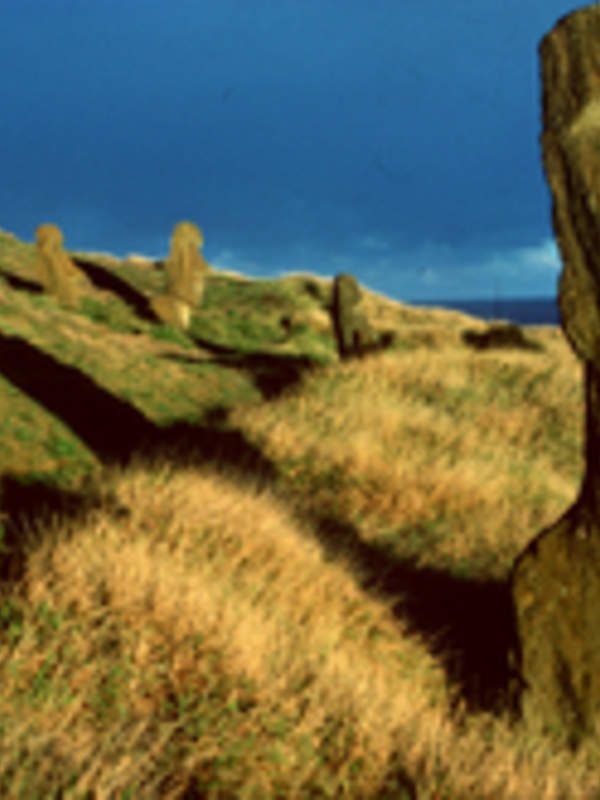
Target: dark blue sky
<point x="396" y="139"/>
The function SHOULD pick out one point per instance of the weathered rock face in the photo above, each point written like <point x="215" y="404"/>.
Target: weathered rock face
<point x="353" y="333"/>
<point x="555" y="582"/>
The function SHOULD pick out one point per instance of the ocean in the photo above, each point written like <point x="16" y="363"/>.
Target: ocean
<point x="522" y="311"/>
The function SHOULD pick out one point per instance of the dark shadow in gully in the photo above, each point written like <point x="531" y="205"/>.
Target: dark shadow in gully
<point x="468" y="623"/>
<point x="103" y="278"/>
<point x="114" y="430"/>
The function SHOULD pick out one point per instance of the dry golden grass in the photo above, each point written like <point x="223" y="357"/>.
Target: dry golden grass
<point x="205" y="641"/>
<point x="208" y="590"/>
<point x="219" y="630"/>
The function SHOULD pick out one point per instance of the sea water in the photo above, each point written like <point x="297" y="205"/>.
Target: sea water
<point x="522" y="311"/>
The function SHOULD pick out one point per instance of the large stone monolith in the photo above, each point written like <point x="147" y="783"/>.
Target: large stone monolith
<point x="354" y="335"/>
<point x="555" y="582"/>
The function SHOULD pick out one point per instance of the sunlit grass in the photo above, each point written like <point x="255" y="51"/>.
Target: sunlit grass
<point x="207" y="631"/>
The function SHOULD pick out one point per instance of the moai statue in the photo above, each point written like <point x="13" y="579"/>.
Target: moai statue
<point x="353" y="333"/>
<point x="185" y="264"/>
<point x="186" y="274"/>
<point x="55" y="270"/>
<point x="555" y="582"/>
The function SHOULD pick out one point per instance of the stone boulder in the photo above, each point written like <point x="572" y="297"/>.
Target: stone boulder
<point x="555" y="582"/>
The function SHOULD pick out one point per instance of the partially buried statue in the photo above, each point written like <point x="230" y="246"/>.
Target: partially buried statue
<point x="354" y="335"/>
<point x="555" y="582"/>
<point x="186" y="274"/>
<point x="54" y="269"/>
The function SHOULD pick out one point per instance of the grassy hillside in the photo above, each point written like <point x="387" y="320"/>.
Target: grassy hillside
<point x="237" y="568"/>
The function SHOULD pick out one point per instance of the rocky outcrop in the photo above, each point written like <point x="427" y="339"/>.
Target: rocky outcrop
<point x="508" y="335"/>
<point x="555" y="582"/>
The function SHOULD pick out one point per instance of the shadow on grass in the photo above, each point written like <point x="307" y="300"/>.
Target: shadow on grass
<point x="500" y="335"/>
<point x="21" y="284"/>
<point x="103" y="278"/>
<point x="114" y="430"/>
<point x="271" y="373"/>
<point x="467" y="623"/>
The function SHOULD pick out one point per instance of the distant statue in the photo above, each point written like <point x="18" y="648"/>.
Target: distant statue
<point x="54" y="269"/>
<point x="354" y="335"/>
<point x="185" y="264"/>
<point x="186" y="275"/>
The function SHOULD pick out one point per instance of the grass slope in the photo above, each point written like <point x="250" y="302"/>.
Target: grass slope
<point x="238" y="568"/>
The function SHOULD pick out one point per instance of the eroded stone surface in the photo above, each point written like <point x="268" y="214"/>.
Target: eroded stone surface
<point x="555" y="582"/>
<point x="570" y="136"/>
<point x="556" y="586"/>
